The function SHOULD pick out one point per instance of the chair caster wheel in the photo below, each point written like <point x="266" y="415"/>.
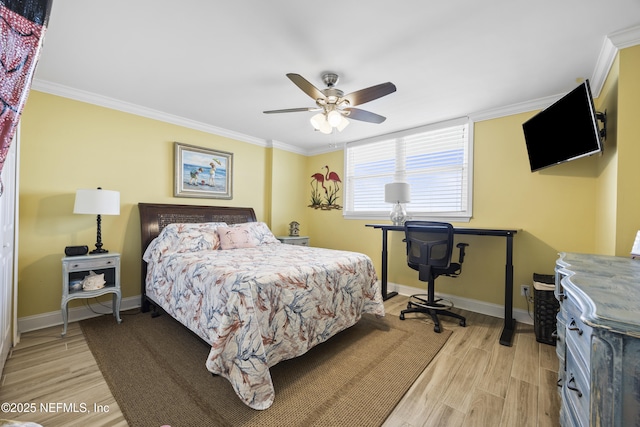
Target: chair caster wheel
<point x="401" y="316"/>
<point x="437" y="329"/>
<point x="463" y="323"/>
<point x="409" y="305"/>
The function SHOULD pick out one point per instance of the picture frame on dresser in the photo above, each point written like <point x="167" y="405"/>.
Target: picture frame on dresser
<point x="202" y="172"/>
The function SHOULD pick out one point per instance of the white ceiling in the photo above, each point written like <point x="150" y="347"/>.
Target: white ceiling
<point x="216" y="65"/>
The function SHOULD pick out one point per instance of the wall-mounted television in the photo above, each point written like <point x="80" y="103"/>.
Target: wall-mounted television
<point x="564" y="131"/>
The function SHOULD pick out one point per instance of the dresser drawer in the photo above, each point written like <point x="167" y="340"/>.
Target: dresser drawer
<point x="93" y="264"/>
<point x="577" y="334"/>
<point x="576" y="391"/>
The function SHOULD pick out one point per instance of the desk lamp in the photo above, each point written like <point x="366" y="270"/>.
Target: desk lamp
<point x="398" y="193"/>
<point x="97" y="202"/>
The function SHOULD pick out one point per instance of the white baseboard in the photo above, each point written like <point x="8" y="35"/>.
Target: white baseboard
<point x="45" y="320"/>
<point x="476" y="306"/>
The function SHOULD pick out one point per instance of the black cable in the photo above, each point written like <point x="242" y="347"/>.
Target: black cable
<point x="122" y="313"/>
<point x="526" y="296"/>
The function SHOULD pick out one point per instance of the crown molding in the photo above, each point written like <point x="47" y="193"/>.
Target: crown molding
<point x="625" y="38"/>
<point x="607" y="55"/>
<point x="114" y="104"/>
<point x="286" y="147"/>
<point x="509" y="110"/>
<point x="610" y="47"/>
<point x="329" y="148"/>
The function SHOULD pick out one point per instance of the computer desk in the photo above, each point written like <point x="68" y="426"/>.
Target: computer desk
<point x="509" y="322"/>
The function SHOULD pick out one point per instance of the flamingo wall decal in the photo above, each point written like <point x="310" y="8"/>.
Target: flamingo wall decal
<point x="331" y="189"/>
<point x="316" y="196"/>
<point x="333" y="177"/>
<point x="318" y="178"/>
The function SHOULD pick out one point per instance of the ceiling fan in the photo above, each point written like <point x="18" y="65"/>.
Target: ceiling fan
<point x="334" y="106"/>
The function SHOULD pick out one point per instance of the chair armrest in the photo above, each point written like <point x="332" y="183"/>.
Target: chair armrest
<point x="462" y="247"/>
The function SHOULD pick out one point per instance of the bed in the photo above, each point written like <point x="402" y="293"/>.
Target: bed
<point x="256" y="301"/>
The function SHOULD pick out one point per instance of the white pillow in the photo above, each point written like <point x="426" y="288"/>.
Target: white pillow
<point x="184" y="237"/>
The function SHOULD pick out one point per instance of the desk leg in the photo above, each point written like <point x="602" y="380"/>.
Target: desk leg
<point x="383" y="280"/>
<point x="509" y="322"/>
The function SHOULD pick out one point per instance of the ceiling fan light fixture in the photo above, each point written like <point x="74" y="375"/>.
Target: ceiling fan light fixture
<point x="343" y="123"/>
<point x="316" y="121"/>
<point x="334" y="118"/>
<point x="326" y="128"/>
<point x="319" y="122"/>
<point x="335" y="107"/>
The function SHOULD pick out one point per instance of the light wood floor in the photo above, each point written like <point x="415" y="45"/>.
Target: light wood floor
<point x="473" y="381"/>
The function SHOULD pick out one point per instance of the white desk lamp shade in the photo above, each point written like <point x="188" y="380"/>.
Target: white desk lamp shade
<point x="397" y="193"/>
<point x="97" y="202"/>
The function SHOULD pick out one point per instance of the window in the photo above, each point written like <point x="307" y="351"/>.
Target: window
<point x="435" y="160"/>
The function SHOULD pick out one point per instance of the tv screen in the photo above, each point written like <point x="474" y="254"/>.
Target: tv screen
<point x="566" y="130"/>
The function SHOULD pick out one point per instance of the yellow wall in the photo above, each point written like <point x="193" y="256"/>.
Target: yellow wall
<point x="328" y="227"/>
<point x="67" y="145"/>
<point x="606" y="189"/>
<point x="589" y="205"/>
<point x="628" y="146"/>
<point x="581" y="206"/>
<point x="288" y="192"/>
<point x="506" y="195"/>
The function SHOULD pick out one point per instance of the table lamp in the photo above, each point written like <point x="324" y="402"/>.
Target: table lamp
<point x="97" y="202"/>
<point x="398" y="193"/>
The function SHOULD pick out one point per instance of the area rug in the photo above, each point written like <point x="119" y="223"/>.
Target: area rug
<point x="156" y="371"/>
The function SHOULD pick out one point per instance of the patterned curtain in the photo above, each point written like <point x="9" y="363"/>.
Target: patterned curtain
<point x="22" y="27"/>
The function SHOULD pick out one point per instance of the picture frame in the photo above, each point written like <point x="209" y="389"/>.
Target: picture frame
<point x="202" y="172"/>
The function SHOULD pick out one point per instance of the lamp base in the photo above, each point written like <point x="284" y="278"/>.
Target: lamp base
<point x="98" y="249"/>
<point x="398" y="214"/>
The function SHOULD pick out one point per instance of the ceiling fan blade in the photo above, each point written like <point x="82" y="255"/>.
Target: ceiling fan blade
<point x="306" y="87"/>
<point x="364" y="116"/>
<point x="369" y="94"/>
<point x="292" y="110"/>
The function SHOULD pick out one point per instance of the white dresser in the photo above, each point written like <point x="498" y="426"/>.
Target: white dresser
<point x="598" y="340"/>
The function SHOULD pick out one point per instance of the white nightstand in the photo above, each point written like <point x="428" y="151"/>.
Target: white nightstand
<point x="75" y="268"/>
<point x="294" y="240"/>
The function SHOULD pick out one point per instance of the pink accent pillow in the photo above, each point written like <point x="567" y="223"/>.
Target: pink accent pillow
<point x="245" y="235"/>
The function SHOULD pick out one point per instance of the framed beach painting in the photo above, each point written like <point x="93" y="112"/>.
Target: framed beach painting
<point x="203" y="172"/>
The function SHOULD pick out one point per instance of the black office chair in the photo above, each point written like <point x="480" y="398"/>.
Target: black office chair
<point x="429" y="250"/>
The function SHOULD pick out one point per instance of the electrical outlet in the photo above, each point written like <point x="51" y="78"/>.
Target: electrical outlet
<point x="525" y="290"/>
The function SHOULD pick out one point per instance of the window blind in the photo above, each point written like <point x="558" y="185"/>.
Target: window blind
<point x="434" y="160"/>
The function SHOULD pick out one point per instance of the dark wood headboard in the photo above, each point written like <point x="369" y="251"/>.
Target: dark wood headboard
<point x="154" y="217"/>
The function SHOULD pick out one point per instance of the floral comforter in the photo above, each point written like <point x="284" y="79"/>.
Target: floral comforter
<point x="260" y="305"/>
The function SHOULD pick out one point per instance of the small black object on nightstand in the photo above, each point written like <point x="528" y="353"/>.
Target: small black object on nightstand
<point x="76" y="250"/>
